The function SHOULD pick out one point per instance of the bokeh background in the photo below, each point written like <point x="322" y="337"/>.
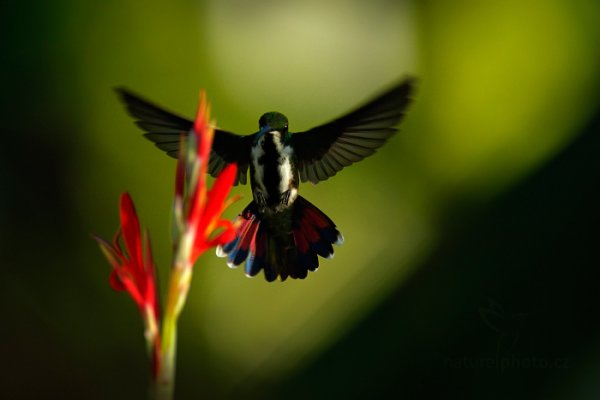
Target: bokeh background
<point x="471" y="256"/>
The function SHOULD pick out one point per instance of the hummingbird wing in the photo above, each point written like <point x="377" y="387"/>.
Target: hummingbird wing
<point x="164" y="128"/>
<point x="323" y="151"/>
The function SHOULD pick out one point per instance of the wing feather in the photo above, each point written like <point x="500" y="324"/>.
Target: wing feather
<point x="163" y="128"/>
<point x="323" y="151"/>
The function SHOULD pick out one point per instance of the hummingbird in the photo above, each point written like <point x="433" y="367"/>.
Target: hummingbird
<point x="280" y="232"/>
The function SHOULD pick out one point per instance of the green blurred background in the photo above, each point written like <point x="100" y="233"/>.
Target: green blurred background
<point x="469" y="267"/>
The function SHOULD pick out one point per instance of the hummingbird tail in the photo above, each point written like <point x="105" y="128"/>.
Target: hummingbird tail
<point x="313" y="233"/>
<point x="286" y="244"/>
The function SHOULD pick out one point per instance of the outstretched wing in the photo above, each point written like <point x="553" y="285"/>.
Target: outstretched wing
<point x="323" y="151"/>
<point x="164" y="128"/>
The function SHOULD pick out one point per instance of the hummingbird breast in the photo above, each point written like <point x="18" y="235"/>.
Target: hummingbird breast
<point x="273" y="173"/>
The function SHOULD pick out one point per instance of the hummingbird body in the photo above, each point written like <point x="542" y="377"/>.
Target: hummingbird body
<point x="273" y="172"/>
<point x="280" y="232"/>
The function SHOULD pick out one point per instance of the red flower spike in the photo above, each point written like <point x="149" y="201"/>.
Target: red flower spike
<point x="204" y="132"/>
<point x="150" y="295"/>
<point x="130" y="227"/>
<point x="133" y="269"/>
<point x="205" y="209"/>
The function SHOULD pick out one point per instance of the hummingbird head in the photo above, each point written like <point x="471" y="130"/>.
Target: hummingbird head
<point x="273" y="121"/>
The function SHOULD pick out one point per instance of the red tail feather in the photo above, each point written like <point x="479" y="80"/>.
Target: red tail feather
<point x="282" y="244"/>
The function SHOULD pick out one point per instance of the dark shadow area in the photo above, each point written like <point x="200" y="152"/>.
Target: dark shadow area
<point x="506" y="308"/>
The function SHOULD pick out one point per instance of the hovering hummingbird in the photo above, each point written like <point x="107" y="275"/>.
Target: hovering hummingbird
<point x="281" y="232"/>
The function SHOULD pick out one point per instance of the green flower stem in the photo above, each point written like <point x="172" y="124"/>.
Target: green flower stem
<point x="179" y="284"/>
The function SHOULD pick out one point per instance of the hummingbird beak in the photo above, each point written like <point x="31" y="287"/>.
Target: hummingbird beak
<point x="264" y="130"/>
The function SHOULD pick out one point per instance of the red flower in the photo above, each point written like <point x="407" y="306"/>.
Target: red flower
<point x="133" y="268"/>
<point x="198" y="226"/>
<point x="197" y="211"/>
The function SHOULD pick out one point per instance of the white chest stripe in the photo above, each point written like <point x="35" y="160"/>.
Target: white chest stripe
<point x="285" y="167"/>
